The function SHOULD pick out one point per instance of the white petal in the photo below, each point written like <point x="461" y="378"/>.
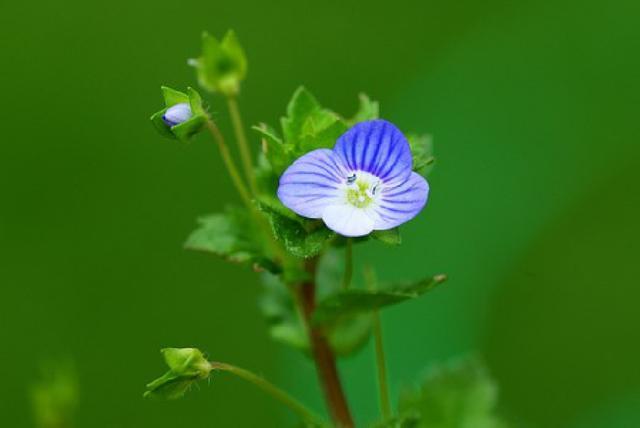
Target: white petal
<point x="348" y="220"/>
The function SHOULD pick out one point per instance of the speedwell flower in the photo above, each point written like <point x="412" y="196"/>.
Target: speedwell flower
<point x="364" y="184"/>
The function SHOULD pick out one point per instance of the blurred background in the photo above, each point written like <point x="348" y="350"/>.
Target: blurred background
<point x="533" y="212"/>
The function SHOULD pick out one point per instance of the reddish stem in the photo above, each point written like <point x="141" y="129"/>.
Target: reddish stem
<point x="323" y="355"/>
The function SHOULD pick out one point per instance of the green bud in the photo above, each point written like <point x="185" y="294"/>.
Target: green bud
<point x="183" y="115"/>
<point x="222" y="65"/>
<point x="186" y="366"/>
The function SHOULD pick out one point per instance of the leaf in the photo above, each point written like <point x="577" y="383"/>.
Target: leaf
<point x="367" y="110"/>
<point x="389" y="237"/>
<point x="354" y="301"/>
<point x="302" y="240"/>
<point x="232" y="236"/>
<point x="349" y="333"/>
<point x="285" y="323"/>
<point x="302" y="105"/>
<point x="346" y="335"/>
<point x="278" y="154"/>
<point x="422" y="152"/>
<point x="403" y="421"/>
<point x="309" y="126"/>
<point x="457" y="395"/>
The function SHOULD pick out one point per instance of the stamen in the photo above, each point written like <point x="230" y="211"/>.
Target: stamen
<point x="351" y="179"/>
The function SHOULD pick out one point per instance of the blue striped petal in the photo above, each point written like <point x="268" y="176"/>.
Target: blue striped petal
<point x="312" y="183"/>
<point x="377" y="147"/>
<point x="401" y="203"/>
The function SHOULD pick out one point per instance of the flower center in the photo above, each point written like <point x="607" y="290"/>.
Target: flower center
<point x="362" y="189"/>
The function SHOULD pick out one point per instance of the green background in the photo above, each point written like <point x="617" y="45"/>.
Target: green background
<point x="533" y="212"/>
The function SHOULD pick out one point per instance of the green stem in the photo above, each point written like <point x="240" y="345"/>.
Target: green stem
<point x="383" y="386"/>
<point x="348" y="264"/>
<point x="241" y="138"/>
<point x="229" y="163"/>
<point x="272" y="390"/>
<point x="381" y="364"/>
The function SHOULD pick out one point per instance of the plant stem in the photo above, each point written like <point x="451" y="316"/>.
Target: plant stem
<point x="272" y="390"/>
<point x="383" y="386"/>
<point x="323" y="355"/>
<point x="229" y="163"/>
<point x="348" y="264"/>
<point x="381" y="364"/>
<point x="241" y="138"/>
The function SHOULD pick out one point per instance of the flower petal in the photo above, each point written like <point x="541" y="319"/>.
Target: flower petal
<point x="312" y="183"/>
<point x="348" y="220"/>
<point x="401" y="203"/>
<point x="377" y="147"/>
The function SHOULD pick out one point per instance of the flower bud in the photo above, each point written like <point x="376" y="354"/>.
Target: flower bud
<point x="186" y="367"/>
<point x="177" y="114"/>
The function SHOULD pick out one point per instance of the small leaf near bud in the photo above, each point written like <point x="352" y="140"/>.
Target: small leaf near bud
<point x="186" y="366"/>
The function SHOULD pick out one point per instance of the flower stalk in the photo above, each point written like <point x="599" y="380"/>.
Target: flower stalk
<point x="348" y="264"/>
<point x="275" y="392"/>
<point x="229" y="163"/>
<point x="243" y="144"/>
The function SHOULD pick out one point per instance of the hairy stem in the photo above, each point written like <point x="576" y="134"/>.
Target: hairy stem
<point x="229" y="163"/>
<point x="323" y="355"/>
<point x="272" y="390"/>
<point x="348" y="264"/>
<point x="243" y="144"/>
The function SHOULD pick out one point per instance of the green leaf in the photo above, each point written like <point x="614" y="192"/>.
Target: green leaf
<point x="301" y="238"/>
<point x="457" y="395"/>
<point x="302" y="105"/>
<point x="422" y="152"/>
<point x="403" y="421"/>
<point x="367" y="110"/>
<point x="389" y="237"/>
<point x="221" y="66"/>
<point x="232" y="236"/>
<point x="279" y="154"/>
<point x="309" y="126"/>
<point x="285" y="323"/>
<point x="186" y="366"/>
<point x="354" y="301"/>
<point x="347" y="334"/>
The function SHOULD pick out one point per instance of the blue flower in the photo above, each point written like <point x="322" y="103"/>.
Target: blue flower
<point x="364" y="184"/>
<point x="177" y="114"/>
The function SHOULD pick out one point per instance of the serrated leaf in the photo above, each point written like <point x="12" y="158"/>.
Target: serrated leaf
<point x="302" y="105"/>
<point x="300" y="240"/>
<point x="354" y="301"/>
<point x="457" y="395"/>
<point x="278" y="153"/>
<point x="230" y="235"/>
<point x="322" y="136"/>
<point x="422" y="152"/>
<point x="367" y="110"/>
<point x="389" y="237"/>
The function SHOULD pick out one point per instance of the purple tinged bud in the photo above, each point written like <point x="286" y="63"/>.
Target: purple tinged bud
<point x="177" y="114"/>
